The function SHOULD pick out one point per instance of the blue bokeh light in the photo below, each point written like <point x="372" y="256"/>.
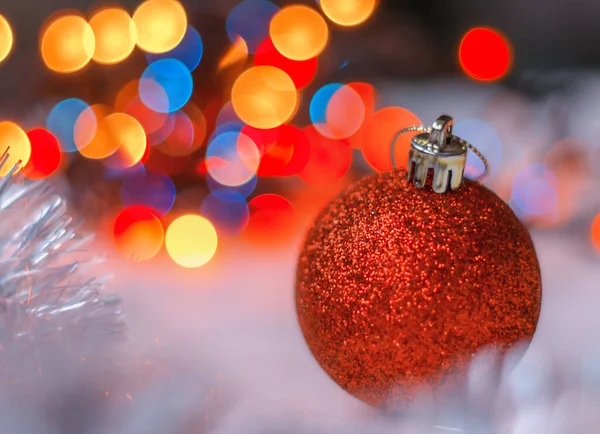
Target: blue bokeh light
<point x="250" y="20"/>
<point x="534" y="192"/>
<point x="149" y="188"/>
<point x="220" y="190"/>
<point x="61" y="122"/>
<point x="174" y="80"/>
<point x="486" y="138"/>
<point x="320" y="101"/>
<point x="227" y="211"/>
<point x="189" y="51"/>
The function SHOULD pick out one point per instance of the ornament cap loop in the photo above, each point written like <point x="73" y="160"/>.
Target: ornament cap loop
<point x="438" y="150"/>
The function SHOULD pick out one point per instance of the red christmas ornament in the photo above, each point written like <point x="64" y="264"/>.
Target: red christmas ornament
<point x="400" y="285"/>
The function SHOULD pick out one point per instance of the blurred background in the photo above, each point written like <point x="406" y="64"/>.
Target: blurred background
<point x="199" y="139"/>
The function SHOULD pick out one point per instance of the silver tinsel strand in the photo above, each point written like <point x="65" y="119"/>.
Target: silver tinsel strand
<point x="48" y="299"/>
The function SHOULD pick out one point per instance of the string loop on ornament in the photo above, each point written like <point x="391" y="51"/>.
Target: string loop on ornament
<point x="428" y="130"/>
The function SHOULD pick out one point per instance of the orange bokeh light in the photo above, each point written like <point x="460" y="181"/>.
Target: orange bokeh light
<point x="379" y="131"/>
<point x="264" y="97"/>
<point x="485" y="54"/>
<point x="45" y="154"/>
<point x="86" y="126"/>
<point x="67" y="44"/>
<point x="348" y="12"/>
<point x="13" y="139"/>
<point x="329" y="160"/>
<point x="131" y="138"/>
<point x="6" y="38"/>
<point x="299" y="32"/>
<point x="160" y="24"/>
<point x="138" y="233"/>
<point x="115" y="35"/>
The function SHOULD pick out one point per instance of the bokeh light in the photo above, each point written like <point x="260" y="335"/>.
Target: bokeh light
<point x="115" y="35"/>
<point x="236" y="55"/>
<point x="161" y="25"/>
<point x="160" y="135"/>
<point x="320" y="101"/>
<point x="485" y="54"/>
<point x="146" y="187"/>
<point x="179" y="143"/>
<point x="595" y="232"/>
<point x="249" y="20"/>
<point x="129" y="137"/>
<point x="348" y="12"/>
<point x="264" y="97"/>
<point x="13" y="138"/>
<point x="6" y="38"/>
<point x="367" y="95"/>
<point x="86" y="126"/>
<point x="189" y="51"/>
<point x="488" y="141"/>
<point x="150" y="120"/>
<point x="344" y="114"/>
<point x="62" y="119"/>
<point x="67" y="44"/>
<point x="166" y="76"/>
<point x="285" y="151"/>
<point x="232" y="158"/>
<point x="138" y="233"/>
<point x="191" y="241"/>
<point x="227" y="210"/>
<point x="379" y="131"/>
<point x="227" y="114"/>
<point x="270" y="214"/>
<point x="301" y="72"/>
<point x="299" y="32"/>
<point x="220" y="190"/>
<point x="329" y="159"/>
<point x="534" y="193"/>
<point x="45" y="154"/>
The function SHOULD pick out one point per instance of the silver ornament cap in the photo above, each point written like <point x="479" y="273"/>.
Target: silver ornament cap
<point x="440" y="151"/>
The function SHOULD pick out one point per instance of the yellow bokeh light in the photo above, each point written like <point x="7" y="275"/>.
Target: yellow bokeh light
<point x="348" y="12"/>
<point x="264" y="97"/>
<point x="67" y="44"/>
<point x="191" y="241"/>
<point x="160" y="24"/>
<point x="112" y="132"/>
<point x="13" y="138"/>
<point x="299" y="32"/>
<point x="6" y="38"/>
<point x="115" y="35"/>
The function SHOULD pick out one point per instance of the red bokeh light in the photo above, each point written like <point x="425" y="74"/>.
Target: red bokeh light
<point x="45" y="154"/>
<point x="329" y="159"/>
<point x="301" y="72"/>
<point x="272" y="214"/>
<point x="138" y="232"/>
<point x="485" y="54"/>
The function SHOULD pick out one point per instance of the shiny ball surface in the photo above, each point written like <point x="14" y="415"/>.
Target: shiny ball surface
<point x="398" y="288"/>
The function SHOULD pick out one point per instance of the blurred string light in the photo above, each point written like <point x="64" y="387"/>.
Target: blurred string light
<point x="161" y="25"/>
<point x="329" y="159"/>
<point x="115" y="35"/>
<point x="249" y="21"/>
<point x="45" y="154"/>
<point x="6" y="38"/>
<point x="232" y="158"/>
<point x="299" y="32"/>
<point x="534" y="194"/>
<point x="488" y="142"/>
<point x="146" y="187"/>
<point x="348" y="12"/>
<point x="301" y="72"/>
<point x="227" y="210"/>
<point x="67" y="43"/>
<point x="189" y="51"/>
<point x="237" y="54"/>
<point x="485" y="54"/>
<point x="138" y="233"/>
<point x="379" y="131"/>
<point x="62" y="119"/>
<point x="264" y="97"/>
<point x="168" y="77"/>
<point x="191" y="241"/>
<point x="14" y="140"/>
